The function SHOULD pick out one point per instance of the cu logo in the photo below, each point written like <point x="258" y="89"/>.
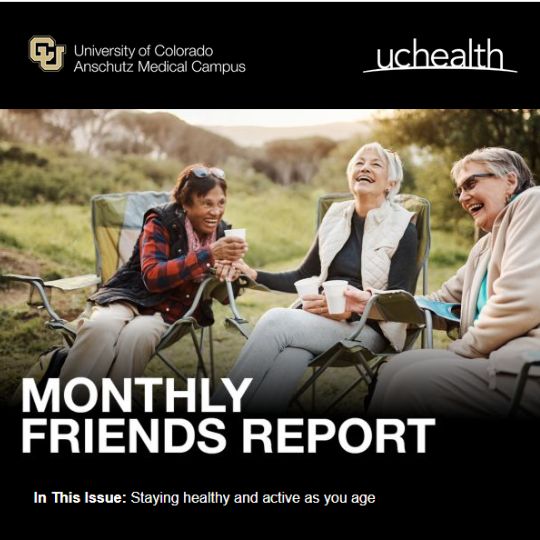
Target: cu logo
<point x="44" y="51"/>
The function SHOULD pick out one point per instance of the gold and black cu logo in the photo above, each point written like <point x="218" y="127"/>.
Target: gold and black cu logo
<point x="44" y="51"/>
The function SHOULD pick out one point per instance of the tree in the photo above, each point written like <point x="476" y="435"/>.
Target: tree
<point x="460" y="131"/>
<point x="436" y="138"/>
<point x="31" y="126"/>
<point x="289" y="161"/>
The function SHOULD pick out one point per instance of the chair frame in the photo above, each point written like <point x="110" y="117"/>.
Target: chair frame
<point x="352" y="353"/>
<point x="532" y="359"/>
<point x="186" y="324"/>
<point x="364" y="361"/>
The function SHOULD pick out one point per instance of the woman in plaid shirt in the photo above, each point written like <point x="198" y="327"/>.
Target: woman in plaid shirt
<point x="178" y="245"/>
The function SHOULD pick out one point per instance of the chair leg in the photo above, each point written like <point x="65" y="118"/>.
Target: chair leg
<point x="427" y="332"/>
<point x="200" y="360"/>
<point x="364" y="376"/>
<point x="171" y="366"/>
<point x="345" y="393"/>
<point x="201" y="349"/>
<point x="316" y="374"/>
<point x="520" y="387"/>
<point x="211" y="354"/>
<point x="313" y="391"/>
<point x="198" y="343"/>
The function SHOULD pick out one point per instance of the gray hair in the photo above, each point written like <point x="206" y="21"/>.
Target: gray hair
<point x="395" y="168"/>
<point x="499" y="161"/>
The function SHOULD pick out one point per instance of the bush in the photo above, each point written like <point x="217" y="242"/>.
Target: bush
<point x="50" y="175"/>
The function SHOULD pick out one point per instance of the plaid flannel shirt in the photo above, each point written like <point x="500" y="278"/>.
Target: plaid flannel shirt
<point x="180" y="276"/>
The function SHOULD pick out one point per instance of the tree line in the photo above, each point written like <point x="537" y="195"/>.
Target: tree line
<point x="138" y="150"/>
<point x="159" y="136"/>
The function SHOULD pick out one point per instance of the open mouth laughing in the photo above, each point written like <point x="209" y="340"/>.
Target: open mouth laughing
<point x="474" y="208"/>
<point x="364" y="178"/>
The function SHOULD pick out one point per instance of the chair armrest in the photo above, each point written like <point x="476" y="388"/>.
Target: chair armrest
<point x="4" y="278"/>
<point x="395" y="306"/>
<point x="38" y="284"/>
<point x="74" y="283"/>
<point x="248" y="283"/>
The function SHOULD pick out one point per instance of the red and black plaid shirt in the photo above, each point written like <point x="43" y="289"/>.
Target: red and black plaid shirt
<point x="180" y="276"/>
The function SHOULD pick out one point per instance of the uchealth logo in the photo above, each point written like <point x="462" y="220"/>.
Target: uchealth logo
<point x="44" y="51"/>
<point x="473" y="55"/>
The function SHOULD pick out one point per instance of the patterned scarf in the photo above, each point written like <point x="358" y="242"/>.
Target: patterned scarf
<point x="194" y="241"/>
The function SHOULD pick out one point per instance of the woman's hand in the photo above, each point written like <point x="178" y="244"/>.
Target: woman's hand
<point x="316" y="304"/>
<point x="244" y="268"/>
<point x="356" y="299"/>
<point x="229" y="249"/>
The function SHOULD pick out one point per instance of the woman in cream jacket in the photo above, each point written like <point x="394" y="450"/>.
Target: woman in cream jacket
<point x="499" y="292"/>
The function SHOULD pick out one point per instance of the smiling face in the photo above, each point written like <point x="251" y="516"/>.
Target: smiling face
<point x="485" y="195"/>
<point x="206" y="211"/>
<point x="368" y="176"/>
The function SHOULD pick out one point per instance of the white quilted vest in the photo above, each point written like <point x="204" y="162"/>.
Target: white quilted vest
<point x="383" y="230"/>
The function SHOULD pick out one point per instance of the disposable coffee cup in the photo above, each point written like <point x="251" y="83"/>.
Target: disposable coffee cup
<point x="335" y="297"/>
<point x="239" y="233"/>
<point x="307" y="286"/>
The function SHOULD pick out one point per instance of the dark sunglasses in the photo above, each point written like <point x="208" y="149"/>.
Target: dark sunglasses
<point x="470" y="183"/>
<point x="203" y="172"/>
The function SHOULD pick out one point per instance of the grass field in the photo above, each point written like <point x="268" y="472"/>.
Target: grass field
<point x="55" y="241"/>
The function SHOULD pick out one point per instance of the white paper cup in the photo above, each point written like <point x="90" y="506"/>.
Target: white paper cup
<point x="335" y="299"/>
<point x="307" y="286"/>
<point x="239" y="233"/>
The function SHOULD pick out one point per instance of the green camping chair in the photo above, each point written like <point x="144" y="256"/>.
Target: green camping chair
<point x="396" y="306"/>
<point x="116" y="223"/>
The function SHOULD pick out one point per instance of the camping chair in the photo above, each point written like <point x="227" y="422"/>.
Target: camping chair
<point x="396" y="306"/>
<point x="116" y="223"/>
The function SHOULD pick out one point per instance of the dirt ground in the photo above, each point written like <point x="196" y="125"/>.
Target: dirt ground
<point x="13" y="294"/>
<point x="15" y="262"/>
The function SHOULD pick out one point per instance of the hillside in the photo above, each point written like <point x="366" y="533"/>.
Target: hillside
<point x="259" y="135"/>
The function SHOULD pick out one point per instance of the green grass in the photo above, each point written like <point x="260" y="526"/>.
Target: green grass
<point x="448" y="250"/>
<point x="279" y="233"/>
<point x="60" y="236"/>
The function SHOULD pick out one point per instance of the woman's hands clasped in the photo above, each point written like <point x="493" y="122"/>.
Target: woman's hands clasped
<point x="230" y="271"/>
<point x="227" y="251"/>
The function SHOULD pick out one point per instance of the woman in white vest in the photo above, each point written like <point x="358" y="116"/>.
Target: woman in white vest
<point x="369" y="242"/>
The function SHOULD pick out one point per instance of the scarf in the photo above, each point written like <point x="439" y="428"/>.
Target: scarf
<point x="194" y="241"/>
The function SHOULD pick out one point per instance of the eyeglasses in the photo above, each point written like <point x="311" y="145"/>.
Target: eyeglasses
<point x="470" y="183"/>
<point x="203" y="172"/>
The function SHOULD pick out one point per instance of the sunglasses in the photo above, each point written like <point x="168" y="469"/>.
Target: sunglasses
<point x="470" y="183"/>
<point x="203" y="172"/>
